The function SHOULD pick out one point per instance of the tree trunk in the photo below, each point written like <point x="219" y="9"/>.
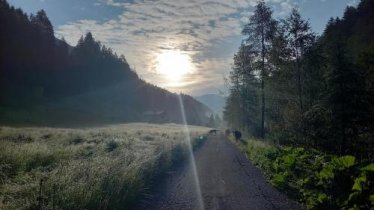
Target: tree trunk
<point x="263" y="109"/>
<point x="263" y="83"/>
<point x="299" y="133"/>
<point x="300" y="92"/>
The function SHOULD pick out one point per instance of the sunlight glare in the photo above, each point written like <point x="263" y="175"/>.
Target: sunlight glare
<point x="173" y="64"/>
<point x="200" y="201"/>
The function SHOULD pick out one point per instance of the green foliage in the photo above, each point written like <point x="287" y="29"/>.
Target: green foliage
<point x="319" y="94"/>
<point x="112" y="145"/>
<point x="318" y="180"/>
<point x="369" y="167"/>
<point x="198" y="141"/>
<point x="318" y="90"/>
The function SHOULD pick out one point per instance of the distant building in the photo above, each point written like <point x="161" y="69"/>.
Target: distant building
<point x="154" y="116"/>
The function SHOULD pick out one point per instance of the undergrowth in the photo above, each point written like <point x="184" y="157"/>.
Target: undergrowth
<point x="317" y="180"/>
<point x="92" y="168"/>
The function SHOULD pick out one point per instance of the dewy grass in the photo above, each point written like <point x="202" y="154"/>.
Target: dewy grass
<point x="92" y="168"/>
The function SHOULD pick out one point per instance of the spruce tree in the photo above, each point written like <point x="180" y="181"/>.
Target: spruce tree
<point x="260" y="32"/>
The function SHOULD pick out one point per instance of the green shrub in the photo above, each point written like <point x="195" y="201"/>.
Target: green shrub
<point x="111" y="145"/>
<point x="198" y="141"/>
<point x="318" y="180"/>
<point x="149" y="138"/>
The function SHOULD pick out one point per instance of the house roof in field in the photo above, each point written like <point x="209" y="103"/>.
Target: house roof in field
<point x="153" y="112"/>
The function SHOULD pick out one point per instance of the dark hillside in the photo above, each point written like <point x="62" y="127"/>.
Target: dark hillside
<point x="43" y="80"/>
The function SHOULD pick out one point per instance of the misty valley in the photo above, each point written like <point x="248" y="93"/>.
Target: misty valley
<point x="223" y="104"/>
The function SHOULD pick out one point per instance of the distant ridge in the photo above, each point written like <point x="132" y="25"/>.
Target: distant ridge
<point x="214" y="101"/>
<point x="45" y="81"/>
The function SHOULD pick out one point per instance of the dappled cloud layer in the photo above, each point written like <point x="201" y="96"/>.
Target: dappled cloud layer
<point x="145" y="29"/>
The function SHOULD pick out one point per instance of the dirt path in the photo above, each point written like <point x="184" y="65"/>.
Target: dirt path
<point x="227" y="181"/>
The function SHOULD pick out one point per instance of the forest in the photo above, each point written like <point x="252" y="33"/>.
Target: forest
<point x="45" y="81"/>
<point x="306" y="104"/>
<point x="302" y="102"/>
<point x="297" y="88"/>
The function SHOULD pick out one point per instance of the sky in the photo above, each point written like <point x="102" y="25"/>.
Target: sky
<point x="200" y="34"/>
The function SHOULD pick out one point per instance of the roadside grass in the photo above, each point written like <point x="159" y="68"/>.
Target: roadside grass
<point x="315" y="179"/>
<point x="91" y="168"/>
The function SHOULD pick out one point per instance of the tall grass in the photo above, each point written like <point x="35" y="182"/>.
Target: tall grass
<point x="92" y="168"/>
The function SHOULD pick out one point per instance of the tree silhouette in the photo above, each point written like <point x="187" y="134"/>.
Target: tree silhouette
<point x="260" y="31"/>
<point x="319" y="91"/>
<point x="45" y="80"/>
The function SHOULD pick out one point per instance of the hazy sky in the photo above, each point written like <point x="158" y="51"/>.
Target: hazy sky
<point x="205" y="31"/>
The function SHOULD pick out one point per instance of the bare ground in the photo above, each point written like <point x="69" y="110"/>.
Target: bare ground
<point x="227" y="181"/>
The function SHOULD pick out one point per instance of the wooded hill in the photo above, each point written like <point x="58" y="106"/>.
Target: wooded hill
<point x="45" y="81"/>
<point x="297" y="88"/>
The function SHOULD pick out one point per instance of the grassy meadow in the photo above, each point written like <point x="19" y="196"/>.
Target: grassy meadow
<point x="89" y="168"/>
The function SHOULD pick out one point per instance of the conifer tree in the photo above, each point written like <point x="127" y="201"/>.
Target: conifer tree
<point x="260" y="32"/>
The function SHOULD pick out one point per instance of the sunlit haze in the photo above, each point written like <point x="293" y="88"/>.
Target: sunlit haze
<point x="186" y="104"/>
<point x="202" y="36"/>
<point x="173" y="65"/>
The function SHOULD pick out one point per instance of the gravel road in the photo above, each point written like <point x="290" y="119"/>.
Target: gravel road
<point x="227" y="180"/>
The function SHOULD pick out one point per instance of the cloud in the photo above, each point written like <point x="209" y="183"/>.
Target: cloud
<point x="353" y="3"/>
<point x="196" y="27"/>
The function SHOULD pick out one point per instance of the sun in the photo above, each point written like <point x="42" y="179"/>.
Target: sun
<point x="173" y="64"/>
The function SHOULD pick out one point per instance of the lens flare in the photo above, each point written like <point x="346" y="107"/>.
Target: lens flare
<point x="191" y="155"/>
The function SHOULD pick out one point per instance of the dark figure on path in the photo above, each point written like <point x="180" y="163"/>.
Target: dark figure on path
<point x="238" y="135"/>
<point x="227" y="132"/>
<point x="213" y="131"/>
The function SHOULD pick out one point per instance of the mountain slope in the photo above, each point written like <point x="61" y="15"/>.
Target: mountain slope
<point x="45" y="81"/>
<point x="213" y="101"/>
